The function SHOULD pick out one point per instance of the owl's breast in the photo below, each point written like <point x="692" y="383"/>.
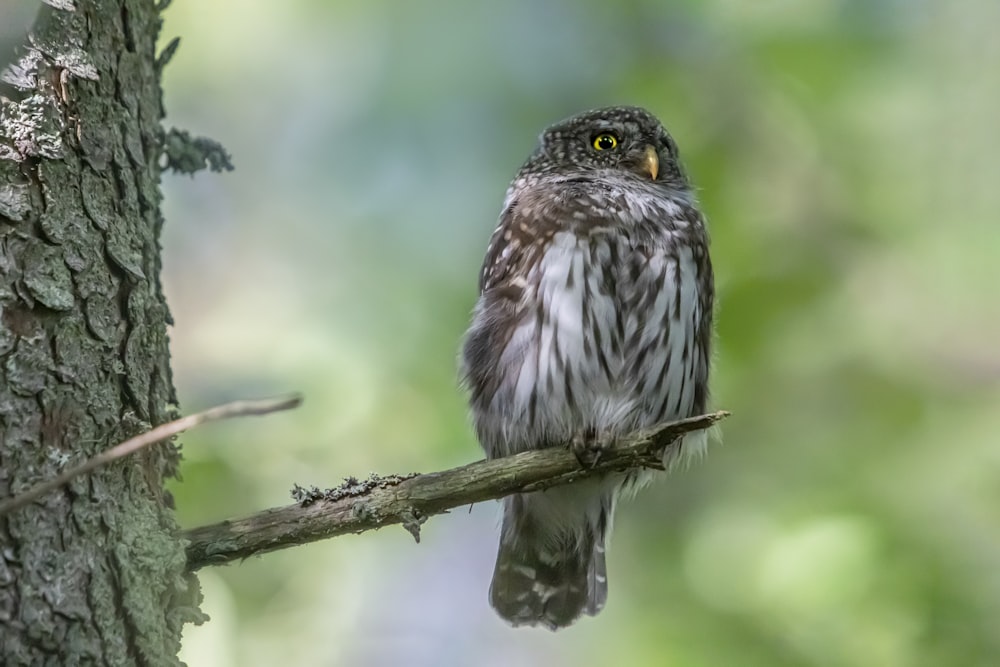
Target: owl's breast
<point x="604" y="336"/>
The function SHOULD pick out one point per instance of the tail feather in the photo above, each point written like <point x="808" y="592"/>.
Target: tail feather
<point x="545" y="579"/>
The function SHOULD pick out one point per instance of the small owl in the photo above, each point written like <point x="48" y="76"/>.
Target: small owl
<point x="594" y="320"/>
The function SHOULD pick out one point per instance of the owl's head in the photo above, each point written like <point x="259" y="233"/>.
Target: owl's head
<point x="629" y="139"/>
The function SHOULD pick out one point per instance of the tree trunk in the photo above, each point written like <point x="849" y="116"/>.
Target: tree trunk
<point x="93" y="573"/>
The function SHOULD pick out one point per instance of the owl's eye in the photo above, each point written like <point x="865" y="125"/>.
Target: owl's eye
<point x="605" y="142"/>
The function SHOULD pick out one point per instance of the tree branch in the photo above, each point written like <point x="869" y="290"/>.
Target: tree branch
<point x="162" y="432"/>
<point x="357" y="506"/>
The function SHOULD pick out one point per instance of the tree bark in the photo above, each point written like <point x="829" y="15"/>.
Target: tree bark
<point x="93" y="573"/>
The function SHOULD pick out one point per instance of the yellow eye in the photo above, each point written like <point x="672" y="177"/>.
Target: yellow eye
<point x="605" y="142"/>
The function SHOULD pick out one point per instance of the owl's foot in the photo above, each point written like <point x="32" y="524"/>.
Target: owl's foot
<point x="588" y="446"/>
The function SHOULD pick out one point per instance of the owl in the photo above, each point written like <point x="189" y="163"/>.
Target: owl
<point x="594" y="320"/>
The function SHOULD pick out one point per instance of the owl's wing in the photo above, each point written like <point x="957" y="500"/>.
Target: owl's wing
<point x="503" y="253"/>
<point x="511" y="252"/>
<point x="524" y="231"/>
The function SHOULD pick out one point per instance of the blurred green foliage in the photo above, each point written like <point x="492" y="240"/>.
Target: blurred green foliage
<point x="845" y="152"/>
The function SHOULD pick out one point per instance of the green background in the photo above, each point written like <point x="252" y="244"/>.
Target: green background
<point x="846" y="154"/>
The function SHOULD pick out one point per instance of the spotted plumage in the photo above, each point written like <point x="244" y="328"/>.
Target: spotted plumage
<point x="594" y="320"/>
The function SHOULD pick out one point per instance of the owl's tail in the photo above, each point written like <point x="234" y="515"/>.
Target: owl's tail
<point x="550" y="567"/>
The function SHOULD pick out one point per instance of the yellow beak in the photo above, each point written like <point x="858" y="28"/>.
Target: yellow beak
<point x="652" y="162"/>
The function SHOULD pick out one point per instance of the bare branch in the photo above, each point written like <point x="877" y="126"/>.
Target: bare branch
<point x="357" y="506"/>
<point x="161" y="432"/>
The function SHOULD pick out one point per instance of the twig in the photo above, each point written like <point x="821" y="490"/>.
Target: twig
<point x="357" y="506"/>
<point x="161" y="432"/>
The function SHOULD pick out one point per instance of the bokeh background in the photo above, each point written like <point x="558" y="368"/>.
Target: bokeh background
<point x="846" y="155"/>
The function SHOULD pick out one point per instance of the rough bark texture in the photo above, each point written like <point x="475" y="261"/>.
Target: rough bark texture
<point x="93" y="573"/>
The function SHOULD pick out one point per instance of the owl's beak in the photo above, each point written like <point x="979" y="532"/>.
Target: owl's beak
<point x="651" y="162"/>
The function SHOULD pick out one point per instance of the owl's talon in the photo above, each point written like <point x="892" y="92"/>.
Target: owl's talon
<point x="588" y="448"/>
<point x="653" y="462"/>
